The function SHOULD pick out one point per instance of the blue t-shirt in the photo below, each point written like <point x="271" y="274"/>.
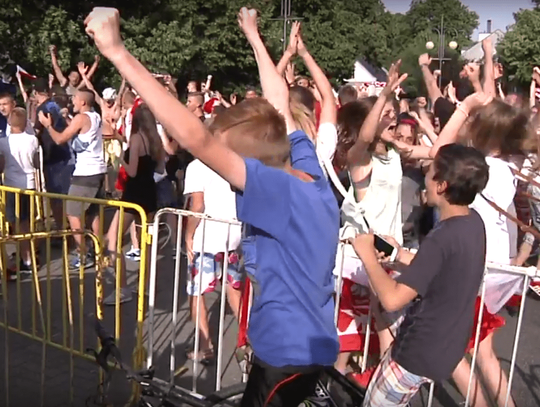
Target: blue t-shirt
<point x="292" y="230"/>
<point x="53" y="153"/>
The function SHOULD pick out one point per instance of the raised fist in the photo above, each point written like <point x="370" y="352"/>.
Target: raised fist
<point x="103" y="26"/>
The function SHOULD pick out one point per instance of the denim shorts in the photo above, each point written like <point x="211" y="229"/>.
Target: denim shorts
<point x="58" y="177"/>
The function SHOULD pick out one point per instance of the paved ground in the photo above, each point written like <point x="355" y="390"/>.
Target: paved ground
<point x="21" y="365"/>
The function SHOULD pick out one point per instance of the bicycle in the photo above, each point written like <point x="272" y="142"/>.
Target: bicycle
<point x="333" y="390"/>
<point x="153" y="388"/>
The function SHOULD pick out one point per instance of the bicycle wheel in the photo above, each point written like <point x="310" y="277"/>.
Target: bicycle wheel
<point x="227" y="397"/>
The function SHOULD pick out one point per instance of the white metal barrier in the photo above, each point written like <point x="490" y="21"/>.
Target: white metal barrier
<point x="527" y="274"/>
<point x="180" y="215"/>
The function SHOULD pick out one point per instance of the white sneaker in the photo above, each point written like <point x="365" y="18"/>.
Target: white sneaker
<point x="134" y="254"/>
<point x="125" y="296"/>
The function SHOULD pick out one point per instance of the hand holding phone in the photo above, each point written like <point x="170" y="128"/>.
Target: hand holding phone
<point x="383" y="246"/>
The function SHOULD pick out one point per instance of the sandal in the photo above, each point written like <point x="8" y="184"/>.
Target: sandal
<point x="205" y="356"/>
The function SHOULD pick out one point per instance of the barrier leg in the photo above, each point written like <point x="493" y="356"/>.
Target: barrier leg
<point x="176" y="291"/>
<point x="476" y="342"/>
<point x="152" y="295"/>
<point x="224" y="284"/>
<point x="198" y="316"/>
<point x="516" y="340"/>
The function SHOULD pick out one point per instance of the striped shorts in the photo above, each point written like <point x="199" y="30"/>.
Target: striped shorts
<point x="392" y="385"/>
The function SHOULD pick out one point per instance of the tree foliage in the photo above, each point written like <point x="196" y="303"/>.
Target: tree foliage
<point x="191" y="39"/>
<point x="520" y="48"/>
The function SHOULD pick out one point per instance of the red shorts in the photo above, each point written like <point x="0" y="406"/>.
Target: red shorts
<point x="490" y="323"/>
<point x="353" y="319"/>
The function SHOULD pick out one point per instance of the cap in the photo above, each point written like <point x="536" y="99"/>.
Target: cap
<point x="109" y="94"/>
<point x="41" y="85"/>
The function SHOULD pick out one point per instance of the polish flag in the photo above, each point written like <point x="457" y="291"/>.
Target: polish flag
<point x="24" y="72"/>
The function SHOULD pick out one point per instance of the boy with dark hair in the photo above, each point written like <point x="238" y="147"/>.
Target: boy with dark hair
<point x="442" y="281"/>
<point x="287" y="255"/>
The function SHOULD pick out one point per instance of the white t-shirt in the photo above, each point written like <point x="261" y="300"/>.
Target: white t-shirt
<point x="219" y="203"/>
<point x="29" y="128"/>
<point x="326" y="144"/>
<point x="501" y="232"/>
<point x="19" y="151"/>
<point x="88" y="148"/>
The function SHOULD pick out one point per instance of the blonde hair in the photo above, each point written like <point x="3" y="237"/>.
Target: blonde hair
<point x="17" y="118"/>
<point x="255" y="129"/>
<point x="304" y="119"/>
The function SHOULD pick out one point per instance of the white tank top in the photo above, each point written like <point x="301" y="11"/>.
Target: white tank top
<point x="381" y="205"/>
<point x="88" y="148"/>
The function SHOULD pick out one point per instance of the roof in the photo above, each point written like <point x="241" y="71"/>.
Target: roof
<point x="475" y="53"/>
<point x="367" y="73"/>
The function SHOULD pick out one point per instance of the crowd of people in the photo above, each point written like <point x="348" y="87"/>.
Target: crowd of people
<point x="380" y="201"/>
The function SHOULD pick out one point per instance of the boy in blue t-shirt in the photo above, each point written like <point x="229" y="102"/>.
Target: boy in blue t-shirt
<point x="283" y="198"/>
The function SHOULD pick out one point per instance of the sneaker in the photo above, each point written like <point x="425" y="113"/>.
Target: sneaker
<point x="24" y="269"/>
<point x="134" y="254"/>
<point x="11" y="275"/>
<point x="362" y="379"/>
<point x="125" y="296"/>
<point x="87" y="263"/>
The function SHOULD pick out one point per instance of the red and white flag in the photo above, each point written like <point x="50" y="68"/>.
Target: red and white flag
<point x="24" y="72"/>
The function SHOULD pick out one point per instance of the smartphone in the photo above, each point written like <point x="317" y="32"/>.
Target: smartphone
<point x="383" y="246"/>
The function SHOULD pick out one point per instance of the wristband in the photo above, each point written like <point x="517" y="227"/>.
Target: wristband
<point x="461" y="109"/>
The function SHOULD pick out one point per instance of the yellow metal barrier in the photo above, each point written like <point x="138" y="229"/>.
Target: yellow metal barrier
<point x="17" y="236"/>
<point x="44" y="334"/>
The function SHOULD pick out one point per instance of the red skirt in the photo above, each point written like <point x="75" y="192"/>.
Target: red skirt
<point x="490" y="323"/>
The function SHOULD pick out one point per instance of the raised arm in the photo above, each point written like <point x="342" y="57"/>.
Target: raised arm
<point x="208" y="83"/>
<point x="489" y="77"/>
<point x="450" y="132"/>
<point x="532" y="94"/>
<point x="56" y="68"/>
<point x="21" y="87"/>
<point x="86" y="82"/>
<point x="103" y="25"/>
<point x="434" y="92"/>
<point x="118" y="100"/>
<point x="328" y="102"/>
<point x="275" y="90"/>
<point x="89" y="73"/>
<point x="358" y="152"/>
<point x="291" y="50"/>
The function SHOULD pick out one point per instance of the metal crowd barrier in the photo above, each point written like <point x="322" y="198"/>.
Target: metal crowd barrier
<point x="173" y="322"/>
<point x="40" y="227"/>
<point x="170" y="318"/>
<point x="44" y="333"/>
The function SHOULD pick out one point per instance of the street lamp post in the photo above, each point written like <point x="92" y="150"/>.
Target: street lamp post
<point x="285" y="16"/>
<point x="441" y="30"/>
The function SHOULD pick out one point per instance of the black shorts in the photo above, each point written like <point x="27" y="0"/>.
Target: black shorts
<point x="286" y="386"/>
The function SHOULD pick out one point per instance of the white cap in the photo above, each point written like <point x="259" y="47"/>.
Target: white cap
<point x="109" y="94"/>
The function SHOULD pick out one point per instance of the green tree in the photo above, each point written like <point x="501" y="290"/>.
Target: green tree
<point x="520" y="48"/>
<point x="419" y="25"/>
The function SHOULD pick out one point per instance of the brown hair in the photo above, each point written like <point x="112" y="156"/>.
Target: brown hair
<point x="500" y="129"/>
<point x="255" y="129"/>
<point x="17" y="118"/>
<point x="350" y="119"/>
<point x="144" y="123"/>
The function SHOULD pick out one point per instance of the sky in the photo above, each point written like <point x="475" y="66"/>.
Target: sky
<point x="501" y="12"/>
